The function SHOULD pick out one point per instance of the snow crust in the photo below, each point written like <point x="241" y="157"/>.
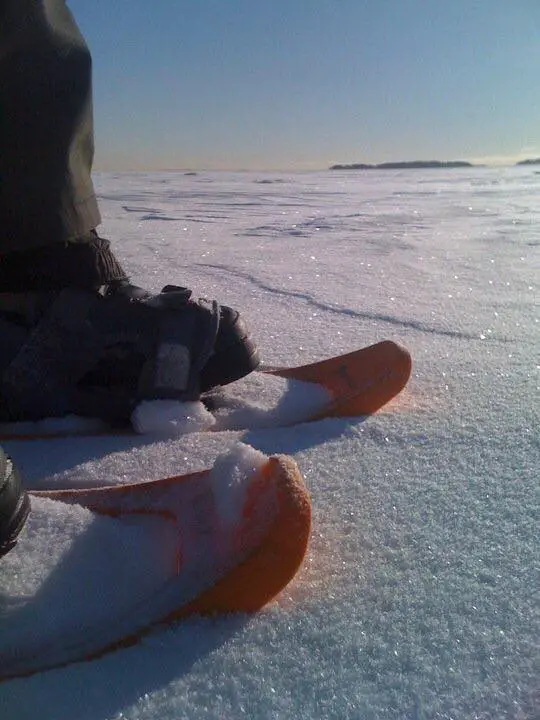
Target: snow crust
<point x="264" y="401"/>
<point x="169" y="418"/>
<point x="231" y="478"/>
<point x="257" y="401"/>
<point x="84" y="569"/>
<point x="418" y="596"/>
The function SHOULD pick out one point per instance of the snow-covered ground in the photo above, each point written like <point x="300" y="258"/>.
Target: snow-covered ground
<point x="419" y="597"/>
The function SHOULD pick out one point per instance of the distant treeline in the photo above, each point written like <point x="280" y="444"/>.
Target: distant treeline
<point x="412" y="164"/>
<point x="422" y="164"/>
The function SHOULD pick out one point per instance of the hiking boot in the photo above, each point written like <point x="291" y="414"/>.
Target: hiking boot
<point x="78" y="338"/>
<point x="234" y="353"/>
<point x="99" y="354"/>
<point x="14" y="504"/>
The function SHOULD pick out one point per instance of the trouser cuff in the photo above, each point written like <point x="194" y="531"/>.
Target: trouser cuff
<point x="87" y="263"/>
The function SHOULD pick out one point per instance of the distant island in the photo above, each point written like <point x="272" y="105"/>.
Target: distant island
<point x="410" y="165"/>
<point x="532" y="161"/>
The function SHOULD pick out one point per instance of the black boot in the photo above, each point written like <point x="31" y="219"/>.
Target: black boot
<point x="99" y="354"/>
<point x="14" y="504"/>
<point x="234" y="353"/>
<point x="78" y="338"/>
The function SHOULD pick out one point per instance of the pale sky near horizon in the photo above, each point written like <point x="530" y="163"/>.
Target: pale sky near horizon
<point x="302" y="84"/>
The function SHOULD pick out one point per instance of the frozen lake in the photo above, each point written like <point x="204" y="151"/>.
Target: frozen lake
<point x="419" y="597"/>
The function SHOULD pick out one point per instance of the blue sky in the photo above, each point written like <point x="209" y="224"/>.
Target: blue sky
<point x="302" y="84"/>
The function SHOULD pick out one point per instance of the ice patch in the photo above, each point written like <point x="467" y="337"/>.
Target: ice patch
<point x="171" y="418"/>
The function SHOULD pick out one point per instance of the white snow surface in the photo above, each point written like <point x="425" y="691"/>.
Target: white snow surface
<point x="258" y="400"/>
<point x="230" y="481"/>
<point x="170" y="418"/>
<point x="419" y="596"/>
<point x="76" y="589"/>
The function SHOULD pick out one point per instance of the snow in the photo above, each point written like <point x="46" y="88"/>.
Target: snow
<point x="75" y="588"/>
<point x="73" y="603"/>
<point x="258" y="400"/>
<point x="263" y="400"/>
<point x="170" y="418"/>
<point x="418" y="598"/>
<point x="230" y="477"/>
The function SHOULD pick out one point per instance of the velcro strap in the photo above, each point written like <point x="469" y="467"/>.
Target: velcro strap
<point x="187" y="333"/>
